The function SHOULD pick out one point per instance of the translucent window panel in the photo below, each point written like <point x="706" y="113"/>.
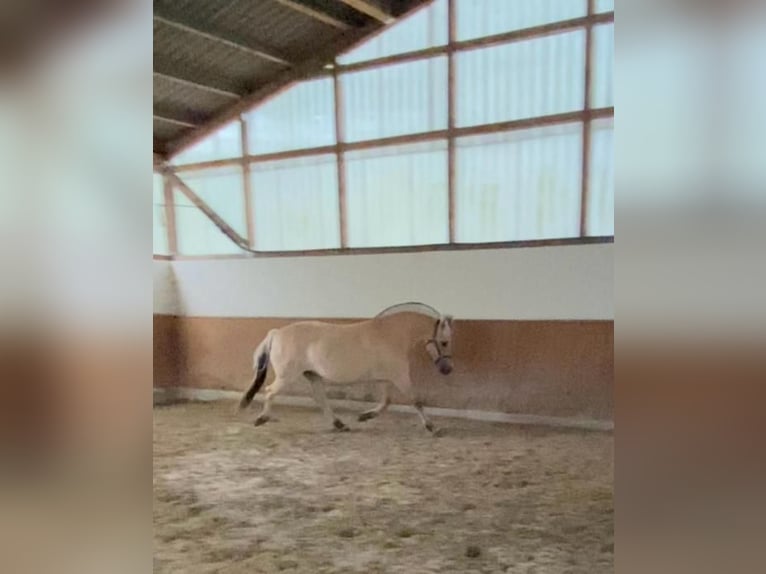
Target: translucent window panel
<point x="222" y="189"/>
<point x="603" y="6"/>
<point x="519" y="185"/>
<point x="602" y="94"/>
<point x="424" y="29"/>
<point x="222" y="144"/>
<point x="397" y="195"/>
<point x="301" y="117"/>
<point x="295" y="204"/>
<point x="395" y="100"/>
<point x="536" y="77"/>
<point x="197" y="235"/>
<point x="160" y="230"/>
<point x="488" y="17"/>
<point x="600" y="212"/>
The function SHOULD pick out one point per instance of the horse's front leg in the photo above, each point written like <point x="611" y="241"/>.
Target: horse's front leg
<point x="317" y="387"/>
<point x="404" y="384"/>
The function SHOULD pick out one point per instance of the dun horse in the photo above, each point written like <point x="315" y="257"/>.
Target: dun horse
<point x="373" y="350"/>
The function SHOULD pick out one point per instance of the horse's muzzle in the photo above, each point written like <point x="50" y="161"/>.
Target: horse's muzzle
<point x="445" y="366"/>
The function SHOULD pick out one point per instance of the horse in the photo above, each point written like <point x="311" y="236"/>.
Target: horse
<point x="374" y="350"/>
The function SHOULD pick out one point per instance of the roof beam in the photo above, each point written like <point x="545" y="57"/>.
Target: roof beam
<point x="198" y="85"/>
<point x="316" y="14"/>
<point x="242" y="44"/>
<point x="371" y="9"/>
<point x="174" y="121"/>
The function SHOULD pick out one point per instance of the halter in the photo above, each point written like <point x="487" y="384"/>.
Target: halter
<point x="438" y="347"/>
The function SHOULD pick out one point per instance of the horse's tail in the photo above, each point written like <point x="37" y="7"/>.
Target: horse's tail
<point x="261" y="368"/>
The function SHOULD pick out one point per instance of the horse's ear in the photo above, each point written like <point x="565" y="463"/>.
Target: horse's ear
<point x="448" y="320"/>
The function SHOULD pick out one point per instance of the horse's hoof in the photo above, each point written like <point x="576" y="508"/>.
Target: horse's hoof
<point x="340" y="426"/>
<point x="260" y="420"/>
<point x="365" y="417"/>
<point x="429" y="426"/>
<point x="438" y="432"/>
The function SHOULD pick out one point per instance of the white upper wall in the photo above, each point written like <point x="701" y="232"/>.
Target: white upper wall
<point x="557" y="282"/>
<point x="166" y="301"/>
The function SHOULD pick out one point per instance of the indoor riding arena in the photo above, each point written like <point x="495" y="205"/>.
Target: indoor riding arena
<point x="389" y="223"/>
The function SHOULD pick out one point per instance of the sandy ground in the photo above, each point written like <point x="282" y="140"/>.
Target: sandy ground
<point x="292" y="496"/>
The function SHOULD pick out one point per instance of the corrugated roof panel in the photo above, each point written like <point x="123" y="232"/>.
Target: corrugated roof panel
<point x="210" y="61"/>
<point x="166" y="130"/>
<point x="275" y="25"/>
<point x="206" y="10"/>
<point x="171" y="96"/>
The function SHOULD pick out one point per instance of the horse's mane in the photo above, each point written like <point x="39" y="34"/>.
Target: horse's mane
<point x="410" y="307"/>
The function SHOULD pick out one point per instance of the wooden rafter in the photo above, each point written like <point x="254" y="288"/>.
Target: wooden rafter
<point x="371" y="9"/>
<point x="174" y="121"/>
<point x="316" y="14"/>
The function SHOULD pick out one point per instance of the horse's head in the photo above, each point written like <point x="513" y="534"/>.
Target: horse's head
<point x="439" y="346"/>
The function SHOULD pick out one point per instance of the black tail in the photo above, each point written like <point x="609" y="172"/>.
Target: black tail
<point x="261" y="370"/>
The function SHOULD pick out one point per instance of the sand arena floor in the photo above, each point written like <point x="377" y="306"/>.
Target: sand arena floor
<point x="293" y="496"/>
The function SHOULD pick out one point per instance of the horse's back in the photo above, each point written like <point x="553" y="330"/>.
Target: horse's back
<point x="337" y="352"/>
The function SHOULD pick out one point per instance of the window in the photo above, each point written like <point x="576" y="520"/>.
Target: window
<point x="160" y="229"/>
<point x="295" y="204"/>
<point x="424" y="29"/>
<point x="600" y="208"/>
<point x="525" y="79"/>
<point x="222" y="190"/>
<point x="301" y="117"/>
<point x="519" y="185"/>
<point x="398" y="195"/>
<point x="498" y="16"/>
<point x="604" y="6"/>
<point x="395" y="100"/>
<point x="484" y="139"/>
<point x="603" y="60"/>
<point x="223" y="143"/>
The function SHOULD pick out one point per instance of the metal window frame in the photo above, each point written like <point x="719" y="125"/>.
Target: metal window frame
<point x="584" y="116"/>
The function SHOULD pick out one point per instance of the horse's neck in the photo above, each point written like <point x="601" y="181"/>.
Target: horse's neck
<point x="416" y="326"/>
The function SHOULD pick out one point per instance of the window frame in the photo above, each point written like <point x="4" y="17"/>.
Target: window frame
<point x="585" y="116"/>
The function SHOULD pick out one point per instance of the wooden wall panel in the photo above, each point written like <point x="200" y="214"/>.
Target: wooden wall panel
<point x="556" y="368"/>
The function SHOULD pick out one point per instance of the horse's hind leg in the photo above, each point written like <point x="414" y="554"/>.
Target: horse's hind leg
<point x="317" y="387"/>
<point x="271" y="391"/>
<point x="378" y="410"/>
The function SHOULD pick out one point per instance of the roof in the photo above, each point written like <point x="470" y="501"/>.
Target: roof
<point x="215" y="59"/>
